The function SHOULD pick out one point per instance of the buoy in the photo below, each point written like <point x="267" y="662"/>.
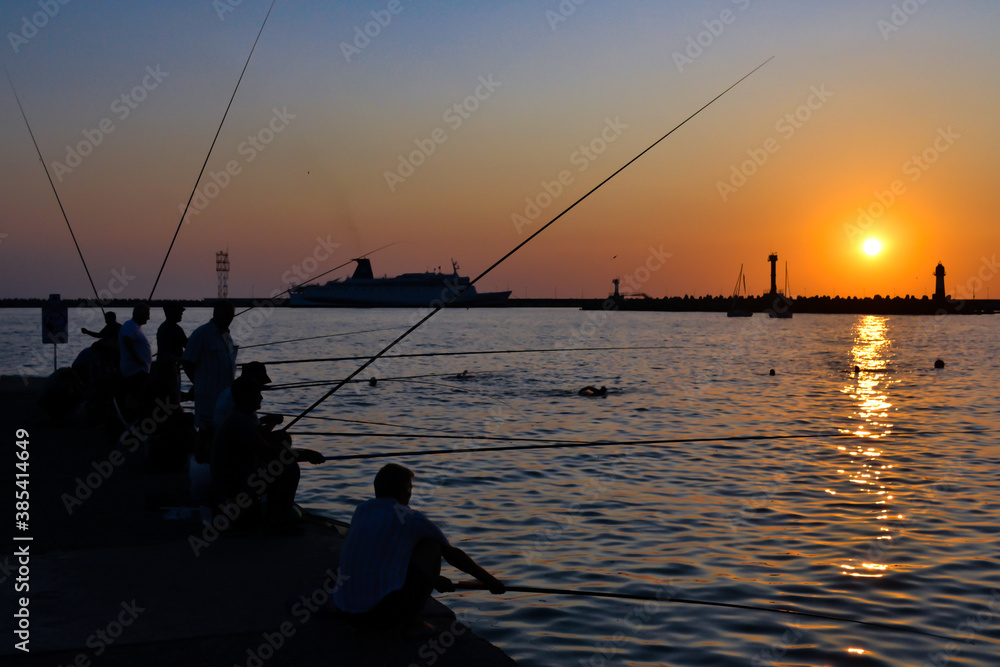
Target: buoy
<point x="372" y="382"/>
<point x="938" y="363"/>
<point x="772" y="372"/>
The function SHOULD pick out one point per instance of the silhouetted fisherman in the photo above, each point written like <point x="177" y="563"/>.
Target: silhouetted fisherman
<point x="392" y="559"/>
<point x="136" y="355"/>
<point x="224" y="406"/>
<point x="256" y="473"/>
<point x="170" y="343"/>
<point x="105" y="348"/>
<point x="110" y="329"/>
<point x="591" y="390"/>
<point x="210" y="362"/>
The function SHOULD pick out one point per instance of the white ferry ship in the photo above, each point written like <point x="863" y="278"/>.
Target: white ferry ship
<point x="364" y="290"/>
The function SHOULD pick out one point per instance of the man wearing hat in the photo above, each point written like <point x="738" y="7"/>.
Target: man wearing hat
<point x="170" y="343"/>
<point x="256" y="372"/>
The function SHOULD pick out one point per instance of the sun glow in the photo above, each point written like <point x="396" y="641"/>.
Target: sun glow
<point x="873" y="246"/>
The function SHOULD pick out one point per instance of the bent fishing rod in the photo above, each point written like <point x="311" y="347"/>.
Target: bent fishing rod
<point x="520" y="245"/>
<point x="205" y="164"/>
<point x="555" y="443"/>
<point x="62" y="210"/>
<point x="537" y="590"/>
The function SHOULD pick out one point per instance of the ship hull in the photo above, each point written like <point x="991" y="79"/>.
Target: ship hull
<point x="391" y="297"/>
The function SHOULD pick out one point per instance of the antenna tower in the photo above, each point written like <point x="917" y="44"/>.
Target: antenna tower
<point x="222" y="269"/>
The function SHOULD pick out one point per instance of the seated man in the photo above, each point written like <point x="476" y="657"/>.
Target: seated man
<point x="257" y="372"/>
<point x="392" y="558"/>
<point x="262" y="472"/>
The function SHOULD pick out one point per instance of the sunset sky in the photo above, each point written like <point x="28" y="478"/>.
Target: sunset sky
<point x="868" y="106"/>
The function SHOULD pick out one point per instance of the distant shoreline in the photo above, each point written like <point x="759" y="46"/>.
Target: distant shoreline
<point x="877" y="305"/>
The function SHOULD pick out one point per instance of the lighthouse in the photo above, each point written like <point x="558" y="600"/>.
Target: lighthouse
<point x="773" y="258"/>
<point x="939" y="294"/>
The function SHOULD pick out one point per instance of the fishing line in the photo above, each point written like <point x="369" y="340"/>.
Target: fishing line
<point x="468" y="391"/>
<point x="475" y="585"/>
<point x="320" y="383"/>
<point x="462" y="354"/>
<point x="58" y="200"/>
<point x="370" y="423"/>
<point x="555" y="443"/>
<point x="333" y="335"/>
<point x="205" y="164"/>
<point x="436" y="309"/>
<point x="372" y="252"/>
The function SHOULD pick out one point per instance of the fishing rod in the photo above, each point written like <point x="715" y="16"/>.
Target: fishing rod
<point x="537" y="590"/>
<point x="372" y="252"/>
<point x="297" y="340"/>
<point x="97" y="296"/>
<point x="205" y="164"/>
<point x="555" y="443"/>
<point x="520" y="245"/>
<point x="411" y="355"/>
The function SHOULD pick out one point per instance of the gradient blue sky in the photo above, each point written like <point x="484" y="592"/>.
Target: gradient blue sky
<point x="324" y="175"/>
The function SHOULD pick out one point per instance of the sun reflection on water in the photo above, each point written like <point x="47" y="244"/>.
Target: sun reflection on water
<point x="869" y="388"/>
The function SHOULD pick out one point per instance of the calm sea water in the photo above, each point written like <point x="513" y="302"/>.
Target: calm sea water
<point x="896" y="523"/>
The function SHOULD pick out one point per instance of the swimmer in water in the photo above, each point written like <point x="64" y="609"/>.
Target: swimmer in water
<point x="591" y="390"/>
<point x="465" y="375"/>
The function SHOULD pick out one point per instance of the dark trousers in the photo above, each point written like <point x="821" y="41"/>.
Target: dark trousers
<point x="403" y="606"/>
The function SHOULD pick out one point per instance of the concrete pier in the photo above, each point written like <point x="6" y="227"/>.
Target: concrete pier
<point x="117" y="577"/>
